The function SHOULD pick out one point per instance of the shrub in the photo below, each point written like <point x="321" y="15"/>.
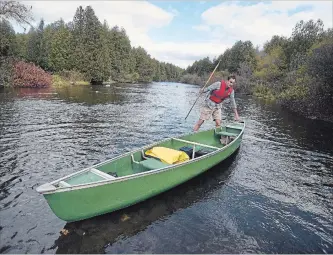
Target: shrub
<point x="29" y="75"/>
<point x="263" y="91"/>
<point x="71" y="76"/>
<point x="58" y="81"/>
<point x="244" y="77"/>
<point x="6" y="71"/>
<point x="320" y="65"/>
<point x="192" y="79"/>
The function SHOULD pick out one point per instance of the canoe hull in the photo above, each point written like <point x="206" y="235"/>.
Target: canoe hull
<point x="97" y="199"/>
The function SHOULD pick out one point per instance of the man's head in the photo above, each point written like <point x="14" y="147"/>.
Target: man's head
<point x="231" y="80"/>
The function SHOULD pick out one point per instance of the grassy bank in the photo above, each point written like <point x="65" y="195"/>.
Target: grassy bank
<point x="60" y="81"/>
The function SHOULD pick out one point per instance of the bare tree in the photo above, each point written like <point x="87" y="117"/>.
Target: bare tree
<point x="16" y="11"/>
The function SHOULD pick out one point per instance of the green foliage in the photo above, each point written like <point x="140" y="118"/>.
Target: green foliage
<point x="201" y="67"/>
<point x="320" y="66"/>
<point x="304" y="35"/>
<point x="120" y="54"/>
<point x="294" y="92"/>
<point x="88" y="47"/>
<point x="36" y="48"/>
<point x="271" y="67"/>
<point x="276" y="41"/>
<point x="294" y="71"/>
<point x="60" y="49"/>
<point x="144" y="66"/>
<point x="73" y="77"/>
<point x="21" y="46"/>
<point x="6" y="71"/>
<point x="262" y="91"/>
<point x="67" y="79"/>
<point x="192" y="79"/>
<point x="240" y="52"/>
<point x="7" y="51"/>
<point x="244" y="78"/>
<point x="8" y="40"/>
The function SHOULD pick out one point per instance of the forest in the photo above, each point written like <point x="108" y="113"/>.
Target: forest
<point x="84" y="49"/>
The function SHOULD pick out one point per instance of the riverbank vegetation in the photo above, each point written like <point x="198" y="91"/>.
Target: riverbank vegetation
<point x="296" y="71"/>
<point x="82" y="51"/>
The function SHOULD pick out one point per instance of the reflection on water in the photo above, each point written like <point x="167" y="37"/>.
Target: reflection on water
<point x="273" y="196"/>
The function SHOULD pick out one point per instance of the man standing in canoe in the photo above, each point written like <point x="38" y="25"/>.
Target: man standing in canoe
<point x="218" y="92"/>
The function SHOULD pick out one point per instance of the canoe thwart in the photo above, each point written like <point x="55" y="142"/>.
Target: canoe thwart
<point x="200" y="144"/>
<point x="225" y="133"/>
<point x="102" y="174"/>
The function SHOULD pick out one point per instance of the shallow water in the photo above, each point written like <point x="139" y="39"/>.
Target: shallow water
<point x="273" y="196"/>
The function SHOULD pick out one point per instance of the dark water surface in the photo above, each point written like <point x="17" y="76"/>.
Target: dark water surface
<point x="273" y="196"/>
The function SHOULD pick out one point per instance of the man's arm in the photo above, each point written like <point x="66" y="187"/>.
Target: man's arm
<point x="215" y="85"/>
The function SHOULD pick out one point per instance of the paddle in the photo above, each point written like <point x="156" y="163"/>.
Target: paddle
<point x="203" y="88"/>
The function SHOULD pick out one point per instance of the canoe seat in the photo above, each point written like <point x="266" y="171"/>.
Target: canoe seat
<point x="225" y="133"/>
<point x="152" y="164"/>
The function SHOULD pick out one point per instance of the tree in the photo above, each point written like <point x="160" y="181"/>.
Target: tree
<point x="304" y="35"/>
<point x="16" y="11"/>
<point x="239" y="53"/>
<point x="7" y="52"/>
<point x="320" y="66"/>
<point x="8" y="40"/>
<point x="60" y="49"/>
<point x="121" y="50"/>
<point x="78" y="54"/>
<point x="37" y="50"/>
<point x="275" y="42"/>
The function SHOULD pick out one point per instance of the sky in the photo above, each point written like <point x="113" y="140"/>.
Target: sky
<point x="180" y="32"/>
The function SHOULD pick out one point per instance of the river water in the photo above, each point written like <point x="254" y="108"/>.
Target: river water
<point x="274" y="195"/>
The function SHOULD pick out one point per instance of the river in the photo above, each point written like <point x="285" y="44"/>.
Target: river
<point x="274" y="195"/>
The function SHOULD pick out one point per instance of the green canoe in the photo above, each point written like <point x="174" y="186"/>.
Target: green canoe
<point x="133" y="177"/>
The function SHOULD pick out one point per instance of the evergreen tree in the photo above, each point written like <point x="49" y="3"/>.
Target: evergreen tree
<point x="78" y="54"/>
<point x="36" y="52"/>
<point x="60" y="49"/>
<point x="8" y="46"/>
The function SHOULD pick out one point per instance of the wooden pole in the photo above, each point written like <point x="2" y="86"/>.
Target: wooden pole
<point x="203" y="88"/>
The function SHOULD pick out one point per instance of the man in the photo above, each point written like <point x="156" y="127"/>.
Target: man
<point x="218" y="92"/>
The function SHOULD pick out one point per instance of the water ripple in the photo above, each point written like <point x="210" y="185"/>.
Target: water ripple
<point x="273" y="196"/>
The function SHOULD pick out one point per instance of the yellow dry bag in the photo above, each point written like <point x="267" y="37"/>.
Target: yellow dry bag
<point x="167" y="155"/>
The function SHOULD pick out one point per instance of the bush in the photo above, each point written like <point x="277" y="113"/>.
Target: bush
<point x="29" y="75"/>
<point x="71" y="76"/>
<point x="244" y="77"/>
<point x="262" y="91"/>
<point x="320" y="65"/>
<point x="192" y="79"/>
<point x="6" y="71"/>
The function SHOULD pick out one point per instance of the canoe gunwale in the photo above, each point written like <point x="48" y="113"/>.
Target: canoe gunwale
<point x="132" y="176"/>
